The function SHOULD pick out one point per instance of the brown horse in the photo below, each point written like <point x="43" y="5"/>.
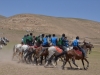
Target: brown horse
<point x="75" y="54"/>
<point x="39" y="54"/>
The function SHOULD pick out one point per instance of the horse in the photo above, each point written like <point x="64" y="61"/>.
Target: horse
<point x="71" y="53"/>
<point x="75" y="54"/>
<point x="87" y="46"/>
<point x="2" y="43"/>
<point x="37" y="54"/>
<point x="52" y="51"/>
<point x="20" y="49"/>
<point x="5" y="39"/>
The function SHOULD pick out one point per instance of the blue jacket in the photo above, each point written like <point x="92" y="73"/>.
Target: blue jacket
<point x="75" y="42"/>
<point x="45" y="41"/>
<point x="54" y="41"/>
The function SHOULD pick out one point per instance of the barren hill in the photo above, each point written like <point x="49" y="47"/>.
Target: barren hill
<point x="2" y="17"/>
<point x="47" y="24"/>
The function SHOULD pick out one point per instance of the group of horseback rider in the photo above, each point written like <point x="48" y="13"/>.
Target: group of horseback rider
<point x="52" y="40"/>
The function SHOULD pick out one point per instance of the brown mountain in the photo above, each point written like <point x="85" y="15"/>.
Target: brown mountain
<point x="58" y="25"/>
<point x="2" y="17"/>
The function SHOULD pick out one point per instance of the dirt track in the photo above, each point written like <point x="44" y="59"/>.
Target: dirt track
<point x="9" y="67"/>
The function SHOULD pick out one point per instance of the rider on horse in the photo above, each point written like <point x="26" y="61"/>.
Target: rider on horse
<point x="75" y="44"/>
<point x="54" y="40"/>
<point x="65" y="42"/>
<point x="45" y="41"/>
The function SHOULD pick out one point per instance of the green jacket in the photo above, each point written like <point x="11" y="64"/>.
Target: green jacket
<point x="37" y="39"/>
<point x="30" y="38"/>
<point x="24" y="40"/>
<point x="59" y="43"/>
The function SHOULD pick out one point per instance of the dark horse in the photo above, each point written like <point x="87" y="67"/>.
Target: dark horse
<point x="75" y="54"/>
<point x="87" y="46"/>
<point x="41" y="54"/>
<point x="36" y="54"/>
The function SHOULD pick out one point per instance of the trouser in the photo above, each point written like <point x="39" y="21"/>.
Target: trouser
<point x="64" y="48"/>
<point x="83" y="51"/>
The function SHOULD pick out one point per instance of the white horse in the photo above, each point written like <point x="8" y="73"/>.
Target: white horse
<point x="53" y="50"/>
<point x="19" y="50"/>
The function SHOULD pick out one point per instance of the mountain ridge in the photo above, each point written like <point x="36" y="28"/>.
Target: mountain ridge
<point x="49" y="24"/>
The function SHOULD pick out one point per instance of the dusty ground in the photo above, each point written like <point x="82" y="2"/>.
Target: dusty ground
<point x="9" y="67"/>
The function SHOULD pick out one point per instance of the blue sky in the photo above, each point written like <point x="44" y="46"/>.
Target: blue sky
<point x="85" y="9"/>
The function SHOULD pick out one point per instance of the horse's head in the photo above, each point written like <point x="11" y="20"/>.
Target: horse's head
<point x="5" y="39"/>
<point x="91" y="45"/>
<point x="3" y="42"/>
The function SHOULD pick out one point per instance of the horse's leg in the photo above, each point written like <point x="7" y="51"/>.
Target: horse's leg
<point x="45" y="58"/>
<point x="61" y="59"/>
<point x="35" y="60"/>
<point x="73" y="61"/>
<point x="25" y="55"/>
<point x="13" y="55"/>
<point x="64" y="63"/>
<point x="22" y="57"/>
<point x="89" y="50"/>
<point x="19" y="57"/>
<point x="70" y="64"/>
<point x="29" y="57"/>
<point x="87" y="63"/>
<point x="49" y="58"/>
<point x="14" y="52"/>
<point x="86" y="50"/>
<point x="41" y="59"/>
<point x="83" y="64"/>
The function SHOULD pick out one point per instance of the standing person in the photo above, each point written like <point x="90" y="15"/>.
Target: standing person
<point x="54" y="40"/>
<point x="75" y="44"/>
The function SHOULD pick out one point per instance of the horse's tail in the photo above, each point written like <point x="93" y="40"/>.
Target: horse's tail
<point x="1" y="46"/>
<point x="14" y="49"/>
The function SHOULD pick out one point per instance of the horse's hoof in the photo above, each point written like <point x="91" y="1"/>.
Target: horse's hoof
<point x="40" y="64"/>
<point x="85" y="69"/>
<point x="54" y="66"/>
<point x="34" y="64"/>
<point x="79" y="68"/>
<point x="45" y="66"/>
<point x="63" y="68"/>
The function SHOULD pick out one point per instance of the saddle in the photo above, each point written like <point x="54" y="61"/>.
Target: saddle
<point x="78" y="52"/>
<point x="58" y="49"/>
